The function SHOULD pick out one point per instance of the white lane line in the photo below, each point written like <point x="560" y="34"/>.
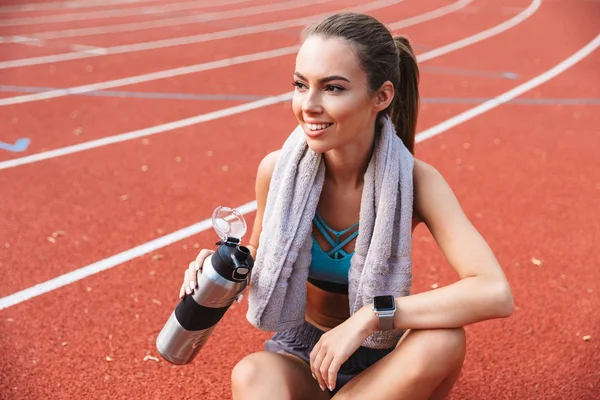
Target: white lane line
<point x="148" y="131"/>
<point x="128" y="12"/>
<point x="87" y="49"/>
<point x="176" y="21"/>
<point x="439" y="12"/>
<point x="28" y="40"/>
<point x="69" y="5"/>
<point x="171" y="238"/>
<point x="113" y="261"/>
<point x="488" y="33"/>
<point x="229" y="33"/>
<point x="159" y="128"/>
<point x="511" y="94"/>
<point x="231" y="61"/>
<point x="153" y="76"/>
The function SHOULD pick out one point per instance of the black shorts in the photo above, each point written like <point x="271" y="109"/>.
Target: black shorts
<point x="301" y="340"/>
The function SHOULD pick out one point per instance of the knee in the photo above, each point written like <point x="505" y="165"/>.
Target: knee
<point x="447" y="345"/>
<point x="246" y="371"/>
<point x="440" y="350"/>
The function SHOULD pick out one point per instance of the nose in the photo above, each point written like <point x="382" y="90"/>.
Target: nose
<point x="311" y="103"/>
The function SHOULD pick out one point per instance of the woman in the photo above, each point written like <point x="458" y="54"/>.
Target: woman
<point x="351" y="79"/>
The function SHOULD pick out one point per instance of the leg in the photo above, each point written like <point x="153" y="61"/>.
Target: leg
<point x="267" y="375"/>
<point x="425" y="365"/>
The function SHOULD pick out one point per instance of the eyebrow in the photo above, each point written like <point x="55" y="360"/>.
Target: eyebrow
<point x="323" y="80"/>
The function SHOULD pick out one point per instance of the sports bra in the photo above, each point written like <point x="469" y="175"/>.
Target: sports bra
<point x="329" y="270"/>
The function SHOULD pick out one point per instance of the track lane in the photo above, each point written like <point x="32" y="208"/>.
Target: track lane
<point x="42" y="5"/>
<point x="86" y="189"/>
<point x="534" y="173"/>
<point x="496" y="347"/>
<point x="226" y="81"/>
<point x="121" y="154"/>
<point x="51" y="20"/>
<point x="188" y="44"/>
<point x="514" y="379"/>
<point x="255" y="14"/>
<point x="113" y="172"/>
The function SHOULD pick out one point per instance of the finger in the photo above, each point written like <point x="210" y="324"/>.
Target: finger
<point x="334" y="367"/>
<point x="203" y="254"/>
<point x="316" y="366"/>
<point x="193" y="270"/>
<point x="313" y="355"/>
<point x="182" y="291"/>
<point x="324" y="371"/>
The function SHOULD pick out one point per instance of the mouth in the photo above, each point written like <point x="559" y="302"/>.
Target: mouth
<point x="314" y="130"/>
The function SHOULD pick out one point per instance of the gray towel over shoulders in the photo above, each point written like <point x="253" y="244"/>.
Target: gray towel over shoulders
<point x="381" y="263"/>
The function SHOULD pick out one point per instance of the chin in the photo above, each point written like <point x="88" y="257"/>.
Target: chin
<point x="317" y="146"/>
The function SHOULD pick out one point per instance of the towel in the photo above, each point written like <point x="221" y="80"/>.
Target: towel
<point x="381" y="264"/>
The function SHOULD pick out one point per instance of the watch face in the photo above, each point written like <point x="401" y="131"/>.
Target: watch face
<point x="384" y="303"/>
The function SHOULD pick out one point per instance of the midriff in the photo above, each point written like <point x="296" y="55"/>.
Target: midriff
<point x="325" y="310"/>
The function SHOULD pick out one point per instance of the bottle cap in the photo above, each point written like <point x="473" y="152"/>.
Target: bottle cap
<point x="228" y="223"/>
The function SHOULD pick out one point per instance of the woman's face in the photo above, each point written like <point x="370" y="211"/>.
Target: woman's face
<point x="331" y="100"/>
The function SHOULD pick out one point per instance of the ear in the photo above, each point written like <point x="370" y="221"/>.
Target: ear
<point x="384" y="96"/>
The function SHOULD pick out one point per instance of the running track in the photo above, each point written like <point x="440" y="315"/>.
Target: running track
<point x="525" y="171"/>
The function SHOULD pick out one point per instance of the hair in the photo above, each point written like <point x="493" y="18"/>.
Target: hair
<point x="383" y="58"/>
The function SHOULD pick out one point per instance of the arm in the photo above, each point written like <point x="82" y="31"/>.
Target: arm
<point x="263" y="180"/>
<point x="481" y="293"/>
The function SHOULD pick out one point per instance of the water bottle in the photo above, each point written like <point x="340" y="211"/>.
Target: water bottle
<point x="221" y="281"/>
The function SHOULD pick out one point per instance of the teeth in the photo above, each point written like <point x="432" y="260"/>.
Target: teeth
<point x="317" y="127"/>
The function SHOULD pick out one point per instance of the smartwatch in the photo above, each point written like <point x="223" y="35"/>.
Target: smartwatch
<point x="385" y="308"/>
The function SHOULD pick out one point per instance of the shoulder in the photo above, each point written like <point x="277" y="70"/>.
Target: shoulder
<point x="424" y="171"/>
<point x="263" y="175"/>
<point x="433" y="197"/>
<point x="267" y="166"/>
<point x="263" y="181"/>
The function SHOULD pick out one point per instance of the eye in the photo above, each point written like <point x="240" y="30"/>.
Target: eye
<point x="334" y="88"/>
<point x="299" y="85"/>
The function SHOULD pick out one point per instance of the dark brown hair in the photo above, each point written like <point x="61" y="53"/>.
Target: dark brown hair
<point x="383" y="58"/>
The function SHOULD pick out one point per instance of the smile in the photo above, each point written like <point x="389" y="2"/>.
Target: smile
<point x="318" y="127"/>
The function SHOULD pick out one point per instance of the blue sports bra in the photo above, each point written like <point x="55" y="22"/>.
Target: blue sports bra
<point x="331" y="266"/>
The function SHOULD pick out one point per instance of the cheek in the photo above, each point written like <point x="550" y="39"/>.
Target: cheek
<point x="349" y="110"/>
<point x="297" y="106"/>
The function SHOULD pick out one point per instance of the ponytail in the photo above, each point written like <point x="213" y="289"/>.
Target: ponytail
<point x="404" y="109"/>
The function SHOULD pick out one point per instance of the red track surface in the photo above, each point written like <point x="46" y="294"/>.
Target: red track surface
<point x="527" y="175"/>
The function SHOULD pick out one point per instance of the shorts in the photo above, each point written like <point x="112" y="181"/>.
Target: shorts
<point x="301" y="340"/>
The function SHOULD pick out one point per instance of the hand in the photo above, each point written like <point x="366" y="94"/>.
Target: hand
<point x="338" y="344"/>
<point x="189" y="278"/>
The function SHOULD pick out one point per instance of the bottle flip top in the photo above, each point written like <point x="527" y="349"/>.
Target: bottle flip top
<point x="232" y="261"/>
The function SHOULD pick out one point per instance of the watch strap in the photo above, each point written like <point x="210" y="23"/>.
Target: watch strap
<point x="386" y="321"/>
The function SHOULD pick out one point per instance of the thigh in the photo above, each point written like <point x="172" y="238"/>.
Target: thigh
<point x="268" y="375"/>
<point x="424" y="365"/>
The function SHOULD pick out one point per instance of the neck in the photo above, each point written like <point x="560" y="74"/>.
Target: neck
<point x="347" y="165"/>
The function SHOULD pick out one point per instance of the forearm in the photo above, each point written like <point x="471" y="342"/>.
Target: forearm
<point x="467" y="301"/>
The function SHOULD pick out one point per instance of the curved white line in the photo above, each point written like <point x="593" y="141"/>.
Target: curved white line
<point x="181" y="234"/>
<point x="257" y="57"/>
<point x="488" y="33"/>
<point x="69" y="5"/>
<point x="165" y="22"/>
<point x="511" y="94"/>
<point x="205" y="37"/>
<point x="127" y="12"/>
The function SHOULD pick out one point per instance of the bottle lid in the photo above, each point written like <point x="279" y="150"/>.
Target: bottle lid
<point x="228" y="223"/>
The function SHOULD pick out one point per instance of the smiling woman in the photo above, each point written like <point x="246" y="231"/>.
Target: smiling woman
<point x="336" y="207"/>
